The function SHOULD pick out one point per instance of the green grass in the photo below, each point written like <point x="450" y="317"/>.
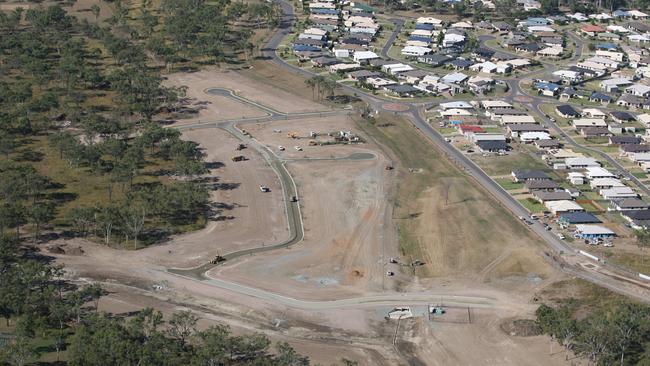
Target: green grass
<point x="640" y="175"/>
<point x="532" y="205"/>
<point x="508" y="184"/>
<point x="502" y="165"/>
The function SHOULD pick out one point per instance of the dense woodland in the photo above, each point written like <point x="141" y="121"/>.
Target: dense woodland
<point x="84" y="152"/>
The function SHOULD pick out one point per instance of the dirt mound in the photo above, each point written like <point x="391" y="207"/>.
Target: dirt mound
<point x="521" y="328"/>
<point x="75" y="251"/>
<point x="55" y="249"/>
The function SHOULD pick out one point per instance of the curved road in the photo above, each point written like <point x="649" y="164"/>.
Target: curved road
<point x="630" y="286"/>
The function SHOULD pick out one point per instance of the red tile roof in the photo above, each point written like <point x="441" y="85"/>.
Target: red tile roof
<point x="470" y="128"/>
<point x="592" y="28"/>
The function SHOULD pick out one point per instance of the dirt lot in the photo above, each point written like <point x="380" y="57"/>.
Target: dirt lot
<point x="349" y="235"/>
<point x="262" y="93"/>
<point x="343" y="208"/>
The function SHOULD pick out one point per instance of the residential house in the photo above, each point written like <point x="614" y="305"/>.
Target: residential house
<point x="567" y="111"/>
<point x="561" y="207"/>
<point x="524" y="175"/>
<point x="628" y="204"/>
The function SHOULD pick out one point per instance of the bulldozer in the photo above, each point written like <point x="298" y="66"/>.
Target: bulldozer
<point x="240" y="147"/>
<point x="293" y="135"/>
<point x="218" y="259"/>
<point x="238" y="158"/>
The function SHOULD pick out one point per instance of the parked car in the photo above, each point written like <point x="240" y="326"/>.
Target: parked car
<point x="265" y="189"/>
<point x="281" y="148"/>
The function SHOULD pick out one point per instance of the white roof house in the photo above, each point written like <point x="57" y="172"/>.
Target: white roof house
<point x="594" y="172"/>
<point x="636" y="14"/>
<point x="618" y="29"/>
<point x="534" y="136"/>
<point x="554" y="51"/>
<point x="487" y="137"/>
<point x="638" y="38"/>
<point x="454" y="78"/>
<point x="415" y="51"/>
<point x="638" y="90"/>
<point x="422" y="33"/>
<point x="395" y="68"/>
<point x="593" y="113"/>
<point x="364" y="56"/>
<point x="576" y="178"/>
<point x="491" y="104"/>
<point x="639" y="157"/>
<point x="511" y="120"/>
<point x="455" y="112"/>
<point x="562" y="206"/>
<point x="593" y="230"/>
<point x="461" y="104"/>
<point x="316" y="31"/>
<point x="581" y="162"/>
<point x="589" y="122"/>
<point x="644" y="118"/>
<point x="618" y="192"/>
<point x="603" y="61"/>
<point x="604" y="183"/>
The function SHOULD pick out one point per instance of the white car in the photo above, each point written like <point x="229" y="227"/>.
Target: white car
<point x="298" y="148"/>
<point x="561" y="236"/>
<point x="265" y="189"/>
<point x="608" y="245"/>
<point x="281" y="148"/>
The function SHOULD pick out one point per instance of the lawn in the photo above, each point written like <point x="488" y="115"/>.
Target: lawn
<point x="532" y="205"/>
<point x="508" y="184"/>
<point x="502" y="165"/>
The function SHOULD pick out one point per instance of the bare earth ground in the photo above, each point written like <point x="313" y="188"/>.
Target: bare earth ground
<point x="349" y="234"/>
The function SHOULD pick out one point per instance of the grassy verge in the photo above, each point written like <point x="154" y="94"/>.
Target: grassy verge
<point x="532" y="205"/>
<point x="508" y="184"/>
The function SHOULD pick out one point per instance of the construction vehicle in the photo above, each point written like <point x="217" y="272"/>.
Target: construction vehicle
<point x="312" y="143"/>
<point x="238" y="158"/>
<point x="240" y="147"/>
<point x="218" y="259"/>
<point x="389" y="167"/>
<point x="293" y="135"/>
<point x="294" y="199"/>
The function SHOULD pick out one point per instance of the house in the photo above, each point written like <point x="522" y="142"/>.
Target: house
<point x="527" y="48"/>
<point x="568" y="76"/>
<point x="594" y="113"/>
<point x="516" y="130"/>
<point x="501" y="26"/>
<point x="576" y="178"/>
<point x="544" y="196"/>
<point x="528" y="137"/>
<point x="547" y="89"/>
<point x="581" y="162"/>
<point x="588" y="122"/>
<point x="639" y="157"/>
<point x="402" y="90"/>
<point x="479" y="84"/>
<point x="600" y="98"/>
<point x="455" y="112"/>
<point x="434" y="59"/>
<point x="616" y="56"/>
<point x="416" y="51"/>
<point x="597" y="172"/>
<point x="622" y="117"/>
<point x="468" y="130"/>
<point x="605" y="183"/>
<point x="460" y="64"/>
<point x="629" y="100"/>
<point x="544" y="185"/>
<point x="517" y="119"/>
<point x="573" y="218"/>
<point x="547" y="144"/>
<point x="585" y="231"/>
<point x="492" y="146"/>
<point x="639" y="27"/>
<point x="595" y="132"/>
<point x="633" y="148"/>
<point x="364" y="57"/>
<point x="378" y="82"/>
<point x="454" y="78"/>
<point x="456" y="105"/>
<point x="624" y="140"/>
<point x="591" y="30"/>
<point x="567" y="111"/>
<point x="618" y="192"/>
<point x="614" y="85"/>
<point x="524" y="175"/>
<point x="638" y="90"/>
<point x="413" y="76"/>
<point x="627" y="204"/>
<point x="393" y="69"/>
<point x="561" y="207"/>
<point x="640" y="219"/>
<point x="363" y="74"/>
